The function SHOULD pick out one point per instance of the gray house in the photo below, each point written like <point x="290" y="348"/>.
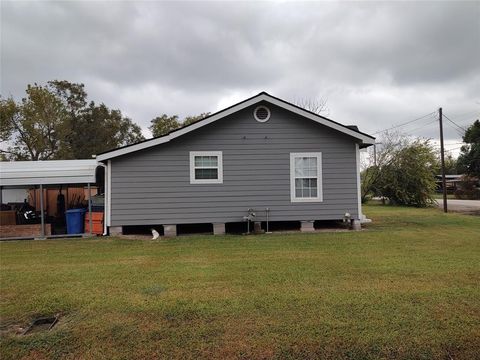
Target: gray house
<point x="262" y="155"/>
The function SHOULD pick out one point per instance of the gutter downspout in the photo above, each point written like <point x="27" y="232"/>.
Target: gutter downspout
<point x="359" y="184"/>
<point x="89" y="209"/>
<point x="42" y="212"/>
<point x="105" y="206"/>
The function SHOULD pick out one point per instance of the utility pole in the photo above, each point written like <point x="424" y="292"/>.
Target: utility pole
<point x="442" y="157"/>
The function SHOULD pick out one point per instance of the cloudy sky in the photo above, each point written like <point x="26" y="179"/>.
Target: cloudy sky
<point x="377" y="63"/>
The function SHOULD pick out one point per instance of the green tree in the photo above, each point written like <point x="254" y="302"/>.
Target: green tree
<point x="73" y="95"/>
<point x="98" y="129"/>
<point x="369" y="183"/>
<point x="404" y="173"/>
<point x="33" y="128"/>
<point x="193" y="119"/>
<point x="450" y="165"/>
<point x="55" y="122"/>
<point x="469" y="159"/>
<point x="409" y="179"/>
<point x="163" y="124"/>
<point x="371" y="176"/>
<point x="92" y="128"/>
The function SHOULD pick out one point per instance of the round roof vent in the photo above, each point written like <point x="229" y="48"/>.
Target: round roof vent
<point x="261" y="113"/>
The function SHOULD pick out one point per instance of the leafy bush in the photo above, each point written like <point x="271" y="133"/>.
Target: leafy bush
<point x="408" y="179"/>
<point x="404" y="173"/>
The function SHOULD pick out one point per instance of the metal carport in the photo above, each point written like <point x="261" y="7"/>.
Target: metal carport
<point x="22" y="174"/>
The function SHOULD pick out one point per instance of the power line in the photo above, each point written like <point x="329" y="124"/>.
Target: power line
<point x="455" y="148"/>
<point x="421" y="127"/>
<point x="468" y="113"/>
<point x="459" y="132"/>
<point x="464" y="120"/>
<point x="406" y="123"/>
<point x="453" y="122"/>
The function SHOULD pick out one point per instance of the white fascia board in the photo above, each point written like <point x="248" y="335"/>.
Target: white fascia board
<point x="169" y="137"/>
<point x="262" y="97"/>
<point x="317" y="118"/>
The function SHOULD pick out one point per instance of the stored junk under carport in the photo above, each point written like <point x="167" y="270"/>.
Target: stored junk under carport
<point x="41" y="199"/>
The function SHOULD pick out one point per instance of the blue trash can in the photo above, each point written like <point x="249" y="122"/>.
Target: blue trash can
<point x="75" y="220"/>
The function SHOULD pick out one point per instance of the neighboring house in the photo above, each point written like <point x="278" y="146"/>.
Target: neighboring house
<point x="451" y="182"/>
<point x="260" y="153"/>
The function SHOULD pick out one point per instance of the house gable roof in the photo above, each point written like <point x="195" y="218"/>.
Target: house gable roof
<point x="365" y="139"/>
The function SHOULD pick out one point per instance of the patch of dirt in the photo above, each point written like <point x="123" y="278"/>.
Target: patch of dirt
<point x="12" y="329"/>
<point x="42" y="324"/>
<point x="38" y="324"/>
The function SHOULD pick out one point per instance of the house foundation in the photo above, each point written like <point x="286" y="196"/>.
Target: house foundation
<point x="356" y="225"/>
<point x="170" y="230"/>
<point x="115" y="230"/>
<point x="219" y="229"/>
<point x="307" y="226"/>
<point x="257" y="228"/>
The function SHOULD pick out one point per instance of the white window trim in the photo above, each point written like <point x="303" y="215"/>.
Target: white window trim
<point x="319" y="197"/>
<point x="218" y="154"/>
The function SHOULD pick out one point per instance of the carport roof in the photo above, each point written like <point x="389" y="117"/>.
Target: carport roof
<point x="48" y="172"/>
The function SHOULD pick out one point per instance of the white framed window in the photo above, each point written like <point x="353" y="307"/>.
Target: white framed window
<point x="206" y="167"/>
<point x="306" y="177"/>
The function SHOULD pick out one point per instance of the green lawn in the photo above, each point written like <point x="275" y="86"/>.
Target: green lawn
<point x="408" y="287"/>
<point x="440" y="196"/>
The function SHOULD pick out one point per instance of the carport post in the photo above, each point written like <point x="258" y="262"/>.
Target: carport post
<point x="89" y="208"/>
<point x="42" y="215"/>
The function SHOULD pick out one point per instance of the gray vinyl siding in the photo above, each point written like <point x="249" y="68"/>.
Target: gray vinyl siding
<point x="152" y="186"/>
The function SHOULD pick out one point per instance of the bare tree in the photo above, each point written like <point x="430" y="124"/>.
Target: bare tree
<point x="315" y="105"/>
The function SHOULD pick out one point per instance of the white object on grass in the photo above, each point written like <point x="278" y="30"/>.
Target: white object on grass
<point x="155" y="234"/>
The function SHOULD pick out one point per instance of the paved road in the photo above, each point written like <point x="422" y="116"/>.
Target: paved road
<point x="461" y="205"/>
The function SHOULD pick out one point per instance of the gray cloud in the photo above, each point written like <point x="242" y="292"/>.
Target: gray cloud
<point x="378" y="63"/>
